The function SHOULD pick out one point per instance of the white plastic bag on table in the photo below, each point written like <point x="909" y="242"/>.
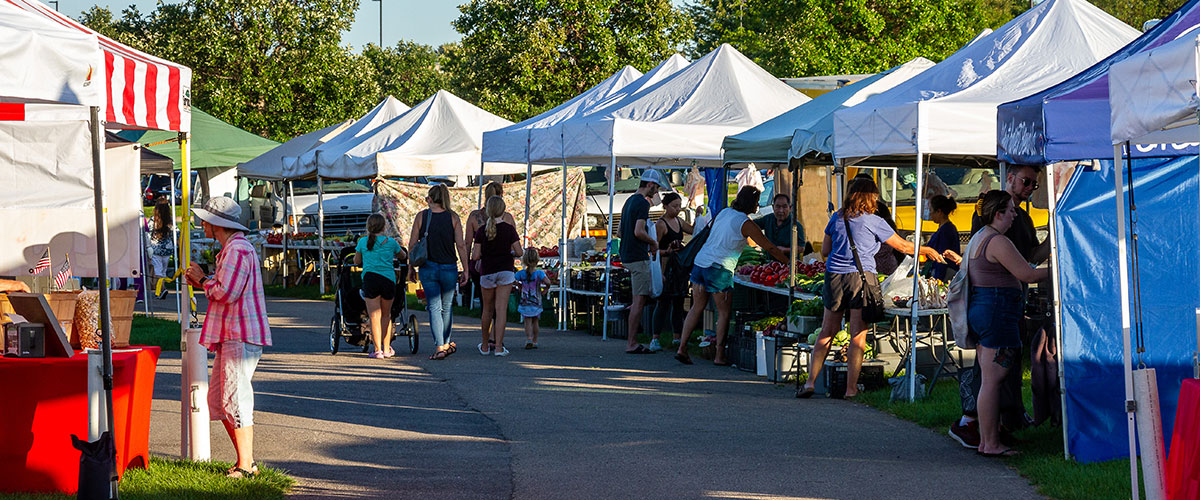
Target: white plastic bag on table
<point x="899" y="283"/>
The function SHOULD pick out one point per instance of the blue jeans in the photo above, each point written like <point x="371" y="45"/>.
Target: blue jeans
<point x="994" y="314"/>
<point x="439" y="281"/>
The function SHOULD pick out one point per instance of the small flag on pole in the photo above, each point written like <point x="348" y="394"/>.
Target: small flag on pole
<point x="42" y="263"/>
<point x="63" y="274"/>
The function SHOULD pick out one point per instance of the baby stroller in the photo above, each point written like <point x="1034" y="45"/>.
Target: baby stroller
<point x="350" y="322"/>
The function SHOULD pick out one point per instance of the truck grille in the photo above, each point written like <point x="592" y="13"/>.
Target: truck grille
<point x="340" y="223"/>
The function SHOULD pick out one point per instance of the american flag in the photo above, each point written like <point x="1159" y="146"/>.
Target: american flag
<point x="43" y="263"/>
<point x="63" y="274"/>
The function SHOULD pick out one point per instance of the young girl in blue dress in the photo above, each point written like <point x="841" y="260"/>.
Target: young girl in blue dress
<point x="532" y="283"/>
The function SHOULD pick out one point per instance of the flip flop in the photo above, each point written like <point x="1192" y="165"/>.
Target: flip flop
<point x="451" y="348"/>
<point x="640" y="349"/>
<point x="440" y="355"/>
<point x="722" y="364"/>
<point x="1004" y="454"/>
<point x="483" y="351"/>
<point x="683" y="358"/>
<point x="805" y="393"/>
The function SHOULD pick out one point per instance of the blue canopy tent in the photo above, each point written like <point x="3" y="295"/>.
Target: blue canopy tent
<point x="1071" y="122"/>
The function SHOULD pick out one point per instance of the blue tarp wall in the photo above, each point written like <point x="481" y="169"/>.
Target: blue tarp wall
<point x="1167" y="192"/>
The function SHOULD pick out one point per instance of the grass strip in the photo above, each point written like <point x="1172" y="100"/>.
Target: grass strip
<point x="184" y="479"/>
<point x="154" y="331"/>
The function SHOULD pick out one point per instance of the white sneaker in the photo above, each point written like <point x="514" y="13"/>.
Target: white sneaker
<point x="502" y="352"/>
<point x="654" y="345"/>
<point x="706" y="341"/>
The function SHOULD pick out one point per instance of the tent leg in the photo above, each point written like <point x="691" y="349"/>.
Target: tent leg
<point x="895" y="183"/>
<point x="102" y="271"/>
<point x="287" y="229"/>
<point x="1123" y="266"/>
<point x="612" y="176"/>
<point x="1051" y="190"/>
<point x="562" y="256"/>
<point x="528" y="187"/>
<point x="142" y="263"/>
<point x="916" y="290"/>
<point x="321" y="234"/>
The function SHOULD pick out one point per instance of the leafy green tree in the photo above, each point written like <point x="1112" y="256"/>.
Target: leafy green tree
<point x="1136" y="13"/>
<point x="792" y="38"/>
<point x="521" y="57"/>
<point x="410" y="72"/>
<point x="274" y="68"/>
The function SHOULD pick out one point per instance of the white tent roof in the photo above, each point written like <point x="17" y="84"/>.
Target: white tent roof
<point x="682" y="119"/>
<point x="510" y="144"/>
<point x="306" y="164"/>
<point x="546" y="144"/>
<point x="951" y="108"/>
<point x="269" y="165"/>
<point x="1153" y="94"/>
<point x="811" y="123"/>
<point x="47" y="61"/>
<point x="441" y="136"/>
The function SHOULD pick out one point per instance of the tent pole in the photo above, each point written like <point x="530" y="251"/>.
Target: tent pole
<point x="612" y="175"/>
<point x="185" y="296"/>
<point x="102" y="272"/>
<point x="562" y="255"/>
<point x="145" y="293"/>
<point x="528" y="188"/>
<point x="1057" y="296"/>
<point x="1123" y="267"/>
<point x="321" y="233"/>
<point x="916" y="289"/>
<point x="895" y="183"/>
<point x="287" y="228"/>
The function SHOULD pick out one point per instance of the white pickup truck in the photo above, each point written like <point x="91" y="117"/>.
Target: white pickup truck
<point x="347" y="206"/>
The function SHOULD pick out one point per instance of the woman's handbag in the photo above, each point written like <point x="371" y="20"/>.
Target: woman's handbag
<point x="420" y="251"/>
<point x="872" y="298"/>
<point x="687" y="255"/>
<point x="956" y="300"/>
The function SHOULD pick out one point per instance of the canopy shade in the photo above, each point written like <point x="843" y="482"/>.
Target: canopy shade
<point x="546" y="144"/>
<point x="1071" y="120"/>
<point x="57" y="63"/>
<point x="306" y="164"/>
<point x="950" y="109"/>
<point x="270" y="165"/>
<point x="140" y="90"/>
<point x="214" y="143"/>
<point x="442" y="136"/>
<point x="1153" y="94"/>
<point x="682" y="119"/>
<point x="810" y="125"/>
<point x="511" y="144"/>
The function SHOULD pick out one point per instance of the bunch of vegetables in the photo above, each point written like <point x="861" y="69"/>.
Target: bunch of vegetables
<point x="751" y="257"/>
<point x="769" y="274"/>
<point x="841" y="341"/>
<point x="767" y="325"/>
<point x="813" y="307"/>
<point x="548" y="251"/>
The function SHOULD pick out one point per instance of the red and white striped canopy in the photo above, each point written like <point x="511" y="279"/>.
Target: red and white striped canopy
<point x="141" y="91"/>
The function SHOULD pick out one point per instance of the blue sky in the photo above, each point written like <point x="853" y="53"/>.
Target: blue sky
<point x="423" y="21"/>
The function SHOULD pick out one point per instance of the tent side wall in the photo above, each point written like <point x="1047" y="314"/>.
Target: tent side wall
<point x="1166" y="196"/>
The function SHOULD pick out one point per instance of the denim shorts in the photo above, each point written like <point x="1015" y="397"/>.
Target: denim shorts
<point x="230" y="395"/>
<point x="994" y="314"/>
<point x="714" y="279"/>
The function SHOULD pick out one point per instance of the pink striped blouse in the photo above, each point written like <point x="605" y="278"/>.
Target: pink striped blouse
<point x="236" y="307"/>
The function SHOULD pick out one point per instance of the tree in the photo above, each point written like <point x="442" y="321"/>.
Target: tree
<point x="274" y="68"/>
<point x="1136" y="13"/>
<point x="410" y="72"/>
<point x="521" y="57"/>
<point x="792" y="38"/>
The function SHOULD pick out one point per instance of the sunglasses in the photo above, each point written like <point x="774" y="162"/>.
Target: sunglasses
<point x="1029" y="182"/>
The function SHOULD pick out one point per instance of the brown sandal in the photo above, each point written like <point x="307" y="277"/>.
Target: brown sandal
<point x="438" y="355"/>
<point x="451" y="348"/>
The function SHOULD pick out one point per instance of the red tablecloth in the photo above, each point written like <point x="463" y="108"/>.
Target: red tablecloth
<point x="1183" y="464"/>
<point x="44" y="401"/>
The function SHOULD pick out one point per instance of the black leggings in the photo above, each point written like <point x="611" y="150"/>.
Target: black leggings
<point x="668" y="308"/>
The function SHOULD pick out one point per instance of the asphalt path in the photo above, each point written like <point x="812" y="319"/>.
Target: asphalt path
<point x="575" y="418"/>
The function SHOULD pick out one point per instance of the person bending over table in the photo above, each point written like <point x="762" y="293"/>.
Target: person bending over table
<point x="843" y="289"/>
<point x="712" y="272"/>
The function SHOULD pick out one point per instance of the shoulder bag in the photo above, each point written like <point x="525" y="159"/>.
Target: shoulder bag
<point x="957" y="294"/>
<point x="687" y="254"/>
<point x="872" y="298"/>
<point x="420" y="250"/>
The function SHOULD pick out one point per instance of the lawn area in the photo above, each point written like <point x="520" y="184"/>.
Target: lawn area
<point x="310" y="292"/>
<point x="179" y="479"/>
<point x="154" y="331"/>
<point x="1041" y="459"/>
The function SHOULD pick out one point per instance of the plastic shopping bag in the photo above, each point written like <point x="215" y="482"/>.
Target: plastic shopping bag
<point x="656" y="274"/>
<point x="899" y="283"/>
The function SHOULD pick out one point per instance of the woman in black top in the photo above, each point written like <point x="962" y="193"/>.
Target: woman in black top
<point x="440" y="273"/>
<point x="495" y="246"/>
<point x="669" y="305"/>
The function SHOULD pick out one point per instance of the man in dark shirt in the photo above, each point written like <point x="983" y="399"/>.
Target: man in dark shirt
<point x="637" y="244"/>
<point x="778" y="226"/>
<point x="1021" y="183"/>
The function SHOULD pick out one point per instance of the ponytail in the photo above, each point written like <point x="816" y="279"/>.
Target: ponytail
<point x="495" y="214"/>
<point x="375" y="225"/>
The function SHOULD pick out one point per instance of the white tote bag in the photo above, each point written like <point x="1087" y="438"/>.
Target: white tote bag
<point x="656" y="273"/>
<point x="956" y="299"/>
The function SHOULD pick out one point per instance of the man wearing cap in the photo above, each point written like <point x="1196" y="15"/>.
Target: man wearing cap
<point x="636" y="246"/>
<point x="235" y="326"/>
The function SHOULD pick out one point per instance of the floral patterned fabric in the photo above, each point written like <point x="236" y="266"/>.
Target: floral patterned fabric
<point x="400" y="202"/>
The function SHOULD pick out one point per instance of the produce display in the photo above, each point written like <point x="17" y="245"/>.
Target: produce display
<point x="770" y="274"/>
<point x="768" y="325"/>
<point x="812" y="307"/>
<point x="311" y="239"/>
<point x="841" y="346"/>
<point x="548" y="251"/>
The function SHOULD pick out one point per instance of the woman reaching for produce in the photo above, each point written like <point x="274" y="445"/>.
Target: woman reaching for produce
<point x="712" y="273"/>
<point x="843" y="290"/>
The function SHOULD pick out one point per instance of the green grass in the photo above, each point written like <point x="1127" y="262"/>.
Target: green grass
<point x="310" y="292"/>
<point x="180" y="479"/>
<point x="154" y="331"/>
<point x="1041" y="460"/>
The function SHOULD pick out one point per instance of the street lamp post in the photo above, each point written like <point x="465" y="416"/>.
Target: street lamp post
<point x="380" y="22"/>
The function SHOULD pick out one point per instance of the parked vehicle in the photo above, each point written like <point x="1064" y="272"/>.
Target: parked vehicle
<point x="347" y="205"/>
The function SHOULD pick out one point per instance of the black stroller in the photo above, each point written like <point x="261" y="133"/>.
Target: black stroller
<point x="350" y="322"/>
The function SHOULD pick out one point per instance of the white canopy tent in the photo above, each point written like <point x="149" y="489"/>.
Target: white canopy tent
<point x="443" y="135"/>
<point x="949" y="110"/>
<point x="305" y="165"/>
<point x="1155" y="108"/>
<point x="269" y="165"/>
<point x="678" y="121"/>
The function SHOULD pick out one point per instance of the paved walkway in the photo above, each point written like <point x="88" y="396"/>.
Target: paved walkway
<point x="575" y="418"/>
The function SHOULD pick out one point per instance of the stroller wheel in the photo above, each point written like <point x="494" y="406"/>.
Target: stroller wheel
<point x="335" y="333"/>
<point x="414" y="340"/>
